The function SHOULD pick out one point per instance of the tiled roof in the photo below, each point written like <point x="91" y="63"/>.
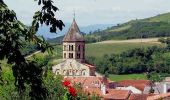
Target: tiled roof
<point x="138" y="96"/>
<point x="113" y="94"/>
<point x="73" y="34"/>
<point x="89" y="65"/>
<point x="92" y="91"/>
<point x="165" y="96"/>
<point x="139" y="84"/>
<point x="89" y="82"/>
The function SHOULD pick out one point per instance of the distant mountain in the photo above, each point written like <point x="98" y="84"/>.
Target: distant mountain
<point x="44" y="30"/>
<point x="157" y="26"/>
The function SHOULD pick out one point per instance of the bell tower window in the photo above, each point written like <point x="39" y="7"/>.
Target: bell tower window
<point x="71" y="48"/>
<point x="64" y="55"/>
<point x="78" y="55"/>
<point x="70" y="55"/>
<point x="65" y="47"/>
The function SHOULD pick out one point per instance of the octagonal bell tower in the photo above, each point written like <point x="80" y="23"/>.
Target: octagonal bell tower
<point x="74" y="44"/>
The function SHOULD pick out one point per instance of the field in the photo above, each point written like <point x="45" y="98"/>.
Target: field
<point x="107" y="47"/>
<point x="126" y="77"/>
<point x="100" y="49"/>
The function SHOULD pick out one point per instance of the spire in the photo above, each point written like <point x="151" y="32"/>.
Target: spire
<point x="73" y="34"/>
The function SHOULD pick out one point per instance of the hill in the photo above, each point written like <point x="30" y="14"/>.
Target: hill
<point x="44" y="30"/>
<point x="157" y="26"/>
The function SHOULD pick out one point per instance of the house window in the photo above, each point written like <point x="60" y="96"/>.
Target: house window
<point x="65" y="47"/>
<point x="78" y="55"/>
<point x="64" y="55"/>
<point x="70" y="55"/>
<point x="71" y="47"/>
<point x="84" y="73"/>
<point x="67" y="73"/>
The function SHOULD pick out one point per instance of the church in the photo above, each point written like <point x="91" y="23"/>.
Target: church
<point x="74" y="64"/>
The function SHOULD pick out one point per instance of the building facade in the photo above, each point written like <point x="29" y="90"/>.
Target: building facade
<point x="74" y="55"/>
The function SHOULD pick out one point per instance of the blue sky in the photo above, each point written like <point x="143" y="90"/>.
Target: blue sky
<point x="94" y="11"/>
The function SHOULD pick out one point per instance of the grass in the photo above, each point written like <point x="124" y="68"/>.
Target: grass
<point x="160" y="18"/>
<point x="120" y="28"/>
<point x="98" y="50"/>
<point x="94" y="50"/>
<point x="126" y="77"/>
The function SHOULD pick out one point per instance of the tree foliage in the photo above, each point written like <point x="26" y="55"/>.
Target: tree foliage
<point x="138" y="60"/>
<point x="12" y="35"/>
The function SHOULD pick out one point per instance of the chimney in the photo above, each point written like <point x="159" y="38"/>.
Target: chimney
<point x="103" y="89"/>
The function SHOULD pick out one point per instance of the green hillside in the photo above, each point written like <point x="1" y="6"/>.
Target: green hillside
<point x="160" y="18"/>
<point x="99" y="50"/>
<point x="158" y="26"/>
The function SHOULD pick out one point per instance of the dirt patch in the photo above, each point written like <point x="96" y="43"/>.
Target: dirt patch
<point x="148" y="40"/>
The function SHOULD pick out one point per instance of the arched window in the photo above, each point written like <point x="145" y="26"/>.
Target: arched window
<point x="83" y="73"/>
<point x="65" y="47"/>
<point x="64" y="72"/>
<point x="57" y="72"/>
<point x="72" y="47"/>
<point x="70" y="55"/>
<point x="78" y="55"/>
<point x="67" y="73"/>
<point x="64" y="55"/>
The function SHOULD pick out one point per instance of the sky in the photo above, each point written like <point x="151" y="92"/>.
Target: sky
<point x="89" y="12"/>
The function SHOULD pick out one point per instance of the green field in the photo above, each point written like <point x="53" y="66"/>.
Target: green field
<point x="98" y="50"/>
<point x="126" y="77"/>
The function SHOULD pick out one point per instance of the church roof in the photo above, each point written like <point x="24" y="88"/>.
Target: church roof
<point x="73" y="34"/>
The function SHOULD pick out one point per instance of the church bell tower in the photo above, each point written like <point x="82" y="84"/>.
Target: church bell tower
<point x="74" y="44"/>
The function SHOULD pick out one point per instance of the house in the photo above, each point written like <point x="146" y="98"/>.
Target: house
<point x="136" y="86"/>
<point x="159" y="87"/>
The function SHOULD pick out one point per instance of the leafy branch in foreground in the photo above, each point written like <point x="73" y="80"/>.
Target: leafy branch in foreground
<point x="12" y="35"/>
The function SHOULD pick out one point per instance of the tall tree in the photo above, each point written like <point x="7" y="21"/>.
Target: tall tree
<point x="12" y="35"/>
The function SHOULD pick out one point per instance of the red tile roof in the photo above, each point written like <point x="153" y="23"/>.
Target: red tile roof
<point x="160" y="97"/>
<point x="89" y="65"/>
<point x="138" y="96"/>
<point x="139" y="84"/>
<point x="92" y="91"/>
<point x="113" y="94"/>
<point x="92" y="81"/>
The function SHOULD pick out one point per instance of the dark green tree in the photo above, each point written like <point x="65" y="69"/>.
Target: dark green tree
<point x="12" y="35"/>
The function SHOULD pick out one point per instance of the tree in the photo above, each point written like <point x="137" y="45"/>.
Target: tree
<point x="12" y="35"/>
